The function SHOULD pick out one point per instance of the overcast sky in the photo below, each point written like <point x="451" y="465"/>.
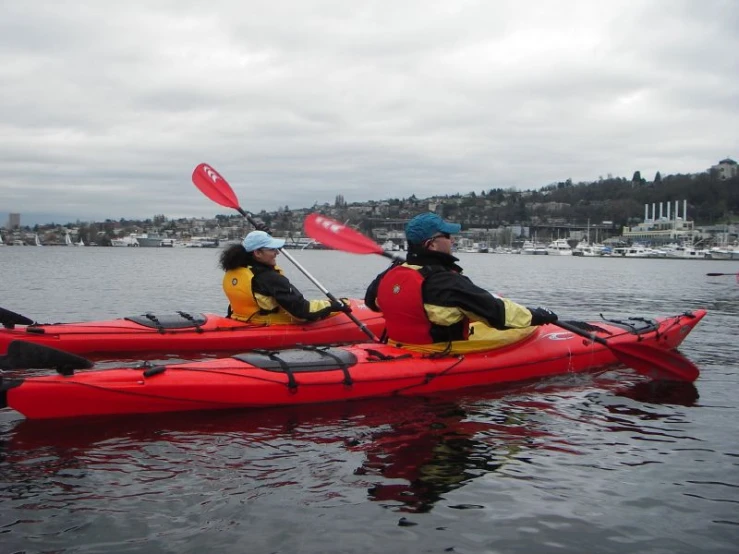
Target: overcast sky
<point x="106" y="107"/>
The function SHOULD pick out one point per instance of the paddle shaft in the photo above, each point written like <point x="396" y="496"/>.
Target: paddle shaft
<point x="393" y="257"/>
<point x="214" y="186"/>
<point x="366" y="330"/>
<point x="719" y="274"/>
<point x="304" y="271"/>
<point x="578" y="331"/>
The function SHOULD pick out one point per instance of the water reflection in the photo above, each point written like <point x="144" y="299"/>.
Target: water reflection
<point x="422" y="460"/>
<point x="662" y="392"/>
<point x="406" y="454"/>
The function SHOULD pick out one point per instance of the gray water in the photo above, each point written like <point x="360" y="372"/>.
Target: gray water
<point x="581" y="463"/>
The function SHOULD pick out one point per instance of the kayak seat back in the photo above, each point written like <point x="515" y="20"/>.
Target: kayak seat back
<point x="177" y="320"/>
<point x="299" y="360"/>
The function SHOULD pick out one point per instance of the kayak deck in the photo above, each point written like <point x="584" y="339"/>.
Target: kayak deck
<point x="183" y="332"/>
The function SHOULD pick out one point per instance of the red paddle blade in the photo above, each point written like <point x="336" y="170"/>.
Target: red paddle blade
<point x="214" y="186"/>
<point x="654" y="362"/>
<point x="333" y="234"/>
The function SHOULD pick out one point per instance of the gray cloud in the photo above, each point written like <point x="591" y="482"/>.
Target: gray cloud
<point x="106" y="107"/>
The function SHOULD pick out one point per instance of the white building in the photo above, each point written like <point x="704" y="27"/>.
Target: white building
<point x="664" y="226"/>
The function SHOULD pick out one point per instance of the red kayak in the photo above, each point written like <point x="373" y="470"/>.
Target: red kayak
<point x="265" y="378"/>
<point x="183" y="332"/>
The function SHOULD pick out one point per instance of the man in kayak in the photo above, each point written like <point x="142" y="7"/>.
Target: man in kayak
<point x="258" y="291"/>
<point x="427" y="300"/>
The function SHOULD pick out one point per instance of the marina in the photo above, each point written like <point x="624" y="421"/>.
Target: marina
<point x="559" y="247"/>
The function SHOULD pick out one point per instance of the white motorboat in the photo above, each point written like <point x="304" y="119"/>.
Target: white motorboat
<point x="533" y="249"/>
<point x="469" y="246"/>
<point x="148" y="240"/>
<point x="636" y="251"/>
<point x="559" y="247"/>
<point x="390" y="246"/>
<point x="723" y="253"/>
<point x="199" y="242"/>
<point x="130" y="240"/>
<point x="588" y="250"/>
<point x="684" y="251"/>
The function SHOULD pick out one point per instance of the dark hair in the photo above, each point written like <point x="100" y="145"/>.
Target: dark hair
<point x="416" y="248"/>
<point x="234" y="257"/>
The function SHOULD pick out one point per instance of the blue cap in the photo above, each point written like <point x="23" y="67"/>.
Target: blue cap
<point x="424" y="226"/>
<point x="259" y="239"/>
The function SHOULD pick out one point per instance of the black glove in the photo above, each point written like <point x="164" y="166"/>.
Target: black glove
<point x="261" y="226"/>
<point x="341" y="306"/>
<point x="542" y="316"/>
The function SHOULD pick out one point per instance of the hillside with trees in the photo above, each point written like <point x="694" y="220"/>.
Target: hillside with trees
<point x="711" y="202"/>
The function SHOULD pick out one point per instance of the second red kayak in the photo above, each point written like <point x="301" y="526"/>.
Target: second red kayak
<point x="183" y="332"/>
<point x="266" y="378"/>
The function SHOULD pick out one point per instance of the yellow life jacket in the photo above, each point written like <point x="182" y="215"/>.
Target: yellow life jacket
<point x="248" y="306"/>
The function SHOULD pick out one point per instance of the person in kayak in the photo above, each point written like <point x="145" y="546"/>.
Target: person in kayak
<point x="258" y="291"/>
<point x="427" y="300"/>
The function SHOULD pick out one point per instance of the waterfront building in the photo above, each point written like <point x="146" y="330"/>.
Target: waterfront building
<point x="663" y="228"/>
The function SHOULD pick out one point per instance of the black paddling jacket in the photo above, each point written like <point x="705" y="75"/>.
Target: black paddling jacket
<point x="261" y="293"/>
<point x="450" y="300"/>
